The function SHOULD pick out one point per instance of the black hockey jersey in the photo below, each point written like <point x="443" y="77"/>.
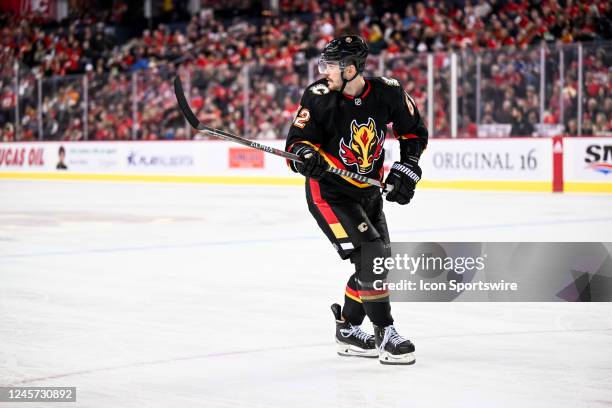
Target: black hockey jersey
<point x="349" y="132"/>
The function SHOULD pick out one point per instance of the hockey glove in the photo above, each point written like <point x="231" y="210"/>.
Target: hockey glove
<point x="313" y="165"/>
<point x="403" y="177"/>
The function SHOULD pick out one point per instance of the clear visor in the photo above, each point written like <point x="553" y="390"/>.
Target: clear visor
<point x="328" y="67"/>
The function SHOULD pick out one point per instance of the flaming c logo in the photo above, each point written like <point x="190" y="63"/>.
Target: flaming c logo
<point x="364" y="148"/>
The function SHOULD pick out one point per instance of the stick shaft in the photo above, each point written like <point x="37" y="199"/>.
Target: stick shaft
<point x="202" y="128"/>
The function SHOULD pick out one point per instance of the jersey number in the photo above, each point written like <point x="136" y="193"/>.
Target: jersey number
<point x="302" y="118"/>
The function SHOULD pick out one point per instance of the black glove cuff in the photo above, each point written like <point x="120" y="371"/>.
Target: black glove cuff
<point x="412" y="150"/>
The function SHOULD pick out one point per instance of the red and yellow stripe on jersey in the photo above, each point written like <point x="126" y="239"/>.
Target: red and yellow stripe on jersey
<point x="352" y="294"/>
<point x="365" y="295"/>
<point x="326" y="210"/>
<point x="369" y="295"/>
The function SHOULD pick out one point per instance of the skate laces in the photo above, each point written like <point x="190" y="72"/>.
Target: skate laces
<point x="391" y="335"/>
<point x="355" y="331"/>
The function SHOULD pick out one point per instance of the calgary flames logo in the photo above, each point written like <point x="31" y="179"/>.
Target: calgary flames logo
<point x="365" y="147"/>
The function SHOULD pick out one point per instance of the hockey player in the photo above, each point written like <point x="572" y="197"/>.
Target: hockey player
<point x="341" y="122"/>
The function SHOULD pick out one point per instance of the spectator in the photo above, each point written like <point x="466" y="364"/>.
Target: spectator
<point x="276" y="49"/>
<point x="571" y="128"/>
<point x="505" y="115"/>
<point x="602" y="127"/>
<point x="587" y="127"/>
<point x="520" y="126"/>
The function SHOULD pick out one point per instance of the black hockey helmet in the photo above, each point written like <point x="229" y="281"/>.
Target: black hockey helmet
<point x="346" y="50"/>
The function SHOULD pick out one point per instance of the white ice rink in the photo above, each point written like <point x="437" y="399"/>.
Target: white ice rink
<point x="164" y="295"/>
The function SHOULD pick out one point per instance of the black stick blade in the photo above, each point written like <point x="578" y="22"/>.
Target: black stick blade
<point x="183" y="104"/>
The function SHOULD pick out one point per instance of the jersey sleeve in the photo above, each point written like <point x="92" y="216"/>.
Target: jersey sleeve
<point x="408" y="125"/>
<point x="305" y="128"/>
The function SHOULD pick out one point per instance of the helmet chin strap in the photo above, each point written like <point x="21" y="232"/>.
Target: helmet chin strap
<point x="346" y="81"/>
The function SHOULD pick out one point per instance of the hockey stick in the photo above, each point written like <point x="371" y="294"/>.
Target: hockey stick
<point x="202" y="128"/>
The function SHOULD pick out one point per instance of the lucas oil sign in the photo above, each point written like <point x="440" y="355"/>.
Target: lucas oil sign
<point x="21" y="156"/>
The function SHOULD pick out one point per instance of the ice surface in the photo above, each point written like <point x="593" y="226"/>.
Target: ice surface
<point x="157" y="295"/>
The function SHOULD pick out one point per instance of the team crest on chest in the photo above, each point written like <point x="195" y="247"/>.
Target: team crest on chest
<point x="364" y="148"/>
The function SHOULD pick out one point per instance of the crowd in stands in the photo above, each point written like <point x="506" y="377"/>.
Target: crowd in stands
<point x="246" y="74"/>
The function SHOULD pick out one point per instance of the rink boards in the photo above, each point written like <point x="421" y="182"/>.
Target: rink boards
<point x="514" y="164"/>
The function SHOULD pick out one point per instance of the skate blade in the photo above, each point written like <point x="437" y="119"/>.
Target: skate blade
<point x="347" y="350"/>
<point x="403" y="359"/>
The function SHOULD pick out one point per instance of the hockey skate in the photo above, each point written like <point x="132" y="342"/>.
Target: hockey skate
<point x="393" y="349"/>
<point x="351" y="340"/>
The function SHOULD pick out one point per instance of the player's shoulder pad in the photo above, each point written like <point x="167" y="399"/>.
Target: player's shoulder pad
<point x="316" y="96"/>
<point x="317" y="89"/>
<point x="393" y="92"/>
<point x="388" y="82"/>
<point x="389" y="88"/>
